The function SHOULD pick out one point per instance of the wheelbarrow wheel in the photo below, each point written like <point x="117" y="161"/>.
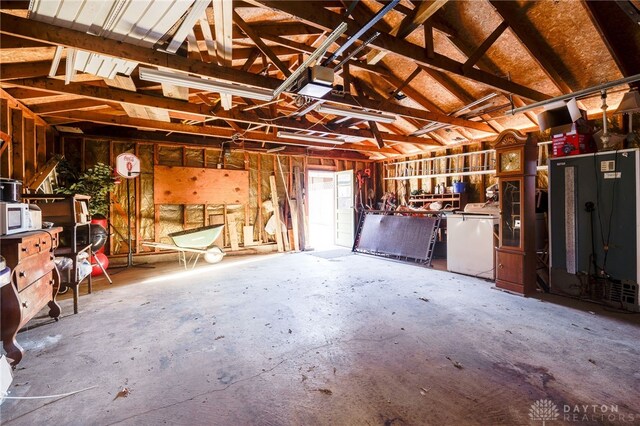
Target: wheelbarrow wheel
<point x="213" y="255"/>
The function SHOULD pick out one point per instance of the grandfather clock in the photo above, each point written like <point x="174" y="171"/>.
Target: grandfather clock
<point x="516" y="171"/>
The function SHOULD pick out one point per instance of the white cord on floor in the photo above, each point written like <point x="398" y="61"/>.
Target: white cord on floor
<point x="46" y="396"/>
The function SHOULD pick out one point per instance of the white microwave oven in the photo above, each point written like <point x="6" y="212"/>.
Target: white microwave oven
<point x="14" y="218"/>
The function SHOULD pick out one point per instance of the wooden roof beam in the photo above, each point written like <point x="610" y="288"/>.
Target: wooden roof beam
<point x="11" y="70"/>
<point x="178" y="139"/>
<point x="10" y="42"/>
<point x="531" y="40"/>
<point x="117" y="95"/>
<point x="454" y="88"/>
<point x="260" y="44"/>
<point x="255" y="54"/>
<point x="362" y="88"/>
<point x="482" y="49"/>
<point x="70" y="105"/>
<point x="299" y="47"/>
<point x="206" y="130"/>
<point x="618" y="33"/>
<point x="436" y="114"/>
<point x="411" y="92"/>
<point x="14" y="4"/>
<point x="418" y="16"/>
<point x="329" y="20"/>
<point x="54" y="35"/>
<point x="15" y="103"/>
<point x="22" y="93"/>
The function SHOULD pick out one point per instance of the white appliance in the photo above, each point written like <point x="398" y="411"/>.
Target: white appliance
<point x="14" y="218"/>
<point x="471" y="244"/>
<point x="35" y="216"/>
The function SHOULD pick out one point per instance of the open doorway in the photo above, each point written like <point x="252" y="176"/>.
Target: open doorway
<point x="321" y="209"/>
<point x="331" y="213"/>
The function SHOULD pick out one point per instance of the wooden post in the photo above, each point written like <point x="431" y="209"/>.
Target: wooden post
<point x="138" y="204"/>
<point x="6" y="158"/>
<point x="18" y="145"/>
<point x="305" y="200"/>
<point x="293" y="205"/>
<point x="50" y="142"/>
<point x="260" y="223"/>
<point x="226" y="224"/>
<point x="300" y="208"/>
<point x="41" y="146"/>
<point x="83" y="160"/>
<point x="29" y="143"/>
<point x="247" y="219"/>
<point x="276" y="212"/>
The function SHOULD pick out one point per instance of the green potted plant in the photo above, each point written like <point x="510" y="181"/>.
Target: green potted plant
<point x="96" y="182"/>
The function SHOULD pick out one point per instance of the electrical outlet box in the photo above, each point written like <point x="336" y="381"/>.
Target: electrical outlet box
<point x="607" y="165"/>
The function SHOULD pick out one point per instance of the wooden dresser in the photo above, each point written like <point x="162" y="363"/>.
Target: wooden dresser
<point x="34" y="283"/>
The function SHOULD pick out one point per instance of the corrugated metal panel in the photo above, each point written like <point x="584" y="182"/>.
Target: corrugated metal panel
<point x="139" y="22"/>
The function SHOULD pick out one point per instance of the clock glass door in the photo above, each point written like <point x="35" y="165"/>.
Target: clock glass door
<point x="511" y="218"/>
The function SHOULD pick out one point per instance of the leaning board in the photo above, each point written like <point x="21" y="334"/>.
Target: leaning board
<point x="195" y="185"/>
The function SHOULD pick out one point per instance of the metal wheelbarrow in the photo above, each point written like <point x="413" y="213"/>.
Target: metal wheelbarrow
<point x="196" y="242"/>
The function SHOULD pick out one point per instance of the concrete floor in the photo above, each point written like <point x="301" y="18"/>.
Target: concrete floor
<point x="323" y="338"/>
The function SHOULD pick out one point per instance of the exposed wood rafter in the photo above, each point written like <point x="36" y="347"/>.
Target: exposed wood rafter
<point x="329" y="20"/>
<point x="531" y="40"/>
<point x="208" y="130"/>
<point x="482" y="49"/>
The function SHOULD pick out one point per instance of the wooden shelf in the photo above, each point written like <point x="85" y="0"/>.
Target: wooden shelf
<point x="71" y="213"/>
<point x="455" y="201"/>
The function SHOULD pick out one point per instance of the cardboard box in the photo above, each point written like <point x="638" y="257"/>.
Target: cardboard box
<point x="560" y="114"/>
<point x="576" y="141"/>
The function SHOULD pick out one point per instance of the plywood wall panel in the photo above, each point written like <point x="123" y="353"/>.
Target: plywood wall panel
<point x="194" y="185"/>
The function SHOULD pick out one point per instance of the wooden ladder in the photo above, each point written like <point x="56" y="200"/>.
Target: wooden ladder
<point x="477" y="163"/>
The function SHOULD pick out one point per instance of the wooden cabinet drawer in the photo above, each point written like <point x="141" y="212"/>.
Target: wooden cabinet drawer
<point x="35" y="296"/>
<point x="28" y="247"/>
<point x="46" y="242"/>
<point x="32" y="268"/>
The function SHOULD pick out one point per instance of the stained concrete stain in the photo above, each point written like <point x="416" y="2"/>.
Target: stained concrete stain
<point x="260" y="375"/>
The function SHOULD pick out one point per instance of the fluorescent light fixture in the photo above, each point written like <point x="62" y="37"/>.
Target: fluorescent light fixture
<point x="579" y="94"/>
<point x="183" y="80"/>
<point x="310" y="138"/>
<point x="354" y="113"/>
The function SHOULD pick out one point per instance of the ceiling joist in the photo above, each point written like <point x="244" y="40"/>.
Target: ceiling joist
<point x="328" y="20"/>
<point x="208" y="130"/>
<point x="203" y="110"/>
